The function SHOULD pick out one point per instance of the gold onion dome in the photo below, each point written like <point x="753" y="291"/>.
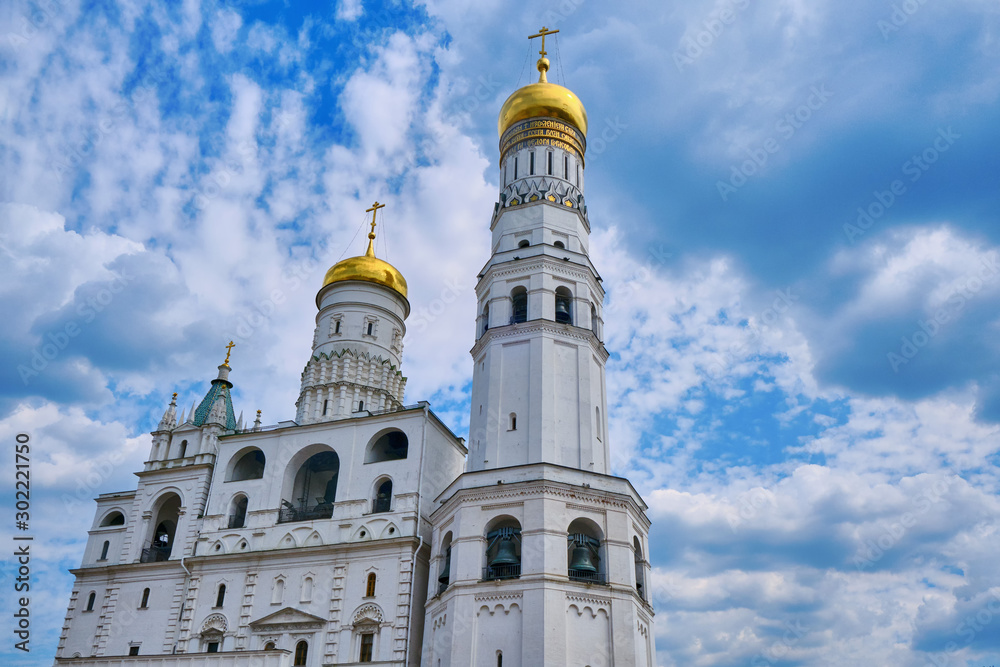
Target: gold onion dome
<point x="542" y="99"/>
<point x="367" y="268"/>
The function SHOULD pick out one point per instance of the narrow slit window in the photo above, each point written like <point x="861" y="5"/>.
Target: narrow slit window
<point x="90" y="601"/>
<point x="326" y="406"/>
<point x="549" y="171"/>
<point x="513" y="421"/>
<point x="371" y="328"/>
<point x="145" y="599"/>
<point x="370" y="586"/>
<point x="531" y="163"/>
<point x="104" y="550"/>
<point x="220" y="598"/>
<point x="566" y="167"/>
<point x="515" y="168"/>
<point x="336" y="327"/>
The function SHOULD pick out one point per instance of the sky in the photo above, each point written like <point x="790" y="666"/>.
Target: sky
<point x="794" y="210"/>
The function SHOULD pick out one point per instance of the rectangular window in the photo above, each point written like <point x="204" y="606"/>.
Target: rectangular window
<point x="133" y="650"/>
<point x="550" y="164"/>
<point x="515" y="168"/>
<point x="566" y="167"/>
<point x="505" y="174"/>
<point x="577" y="175"/>
<point x="531" y="165"/>
<point x="213" y="647"/>
<point x="336" y="328"/>
<point x="367" y="647"/>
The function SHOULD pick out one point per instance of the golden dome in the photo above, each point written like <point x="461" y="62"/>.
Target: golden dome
<point x="368" y="268"/>
<point x="544" y="99"/>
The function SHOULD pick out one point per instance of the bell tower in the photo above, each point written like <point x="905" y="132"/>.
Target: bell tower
<point x="538" y="385"/>
<point x="538" y="554"/>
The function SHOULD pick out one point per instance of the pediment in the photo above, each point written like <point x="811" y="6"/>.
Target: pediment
<point x="289" y="616"/>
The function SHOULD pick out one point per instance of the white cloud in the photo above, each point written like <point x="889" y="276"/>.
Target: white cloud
<point x="225" y="29"/>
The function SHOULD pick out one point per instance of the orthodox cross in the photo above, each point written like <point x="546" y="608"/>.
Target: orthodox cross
<point x="542" y="33"/>
<point x="229" y="348"/>
<point x="374" y="210"/>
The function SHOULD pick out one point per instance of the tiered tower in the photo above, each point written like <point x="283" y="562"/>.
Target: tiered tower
<point x="540" y="553"/>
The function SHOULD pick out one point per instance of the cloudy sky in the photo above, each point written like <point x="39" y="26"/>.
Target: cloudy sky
<point x="795" y="209"/>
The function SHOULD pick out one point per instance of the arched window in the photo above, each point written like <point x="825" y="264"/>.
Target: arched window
<point x="313" y="489"/>
<point x="383" y="497"/>
<point x="513" y="422"/>
<point x="361" y="406"/>
<point x="583" y="552"/>
<point x="444" y="578"/>
<point x="564" y="305"/>
<point x="503" y="549"/>
<point x="390" y="446"/>
<point x="269" y="646"/>
<point x="371" y="328"/>
<point x="301" y="653"/>
<point x="593" y="319"/>
<point x="91" y="600"/>
<point x="559" y="244"/>
<point x="184" y="448"/>
<point x="238" y="511"/>
<point x="162" y="542"/>
<point x="145" y="599"/>
<point x="500" y="653"/>
<point x="249" y="466"/>
<point x="370" y="586"/>
<point x="104" y="550"/>
<point x="523" y="243"/>
<point x="486" y="318"/>
<point x="220" y="597"/>
<point x="278" y="593"/>
<point x="519" y="305"/>
<point x="640" y="579"/>
<point x="113" y="519"/>
<point x="326" y="406"/>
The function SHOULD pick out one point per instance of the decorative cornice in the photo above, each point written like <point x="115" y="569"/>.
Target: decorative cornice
<point x="593" y="601"/>
<point x="499" y="597"/>
<point x="544" y="326"/>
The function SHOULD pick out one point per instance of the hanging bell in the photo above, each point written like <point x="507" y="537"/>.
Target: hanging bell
<point x="505" y="555"/>
<point x="445" y="573"/>
<point x="582" y="559"/>
<point x="562" y="310"/>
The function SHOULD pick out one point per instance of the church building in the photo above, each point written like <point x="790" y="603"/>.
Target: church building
<point x="365" y="531"/>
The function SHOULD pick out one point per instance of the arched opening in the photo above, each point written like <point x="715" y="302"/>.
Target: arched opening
<point x="383" y="496"/>
<point x="238" y="511"/>
<point x="145" y="599"/>
<point x="523" y="243"/>
<point x="269" y="646"/>
<point x="361" y="404"/>
<point x="313" y="489"/>
<point x="559" y="244"/>
<point x="278" y="592"/>
<point x="370" y="585"/>
<point x="113" y="519"/>
<point x="518" y="305"/>
<point x="444" y="577"/>
<point x="104" y="550"/>
<point x="164" y="526"/>
<point x="486" y="318"/>
<point x="503" y="549"/>
<point x="584" y="552"/>
<point x="564" y="305"/>
<point x="500" y="653"/>
<point x="301" y="653"/>
<point x="220" y="596"/>
<point x="390" y="446"/>
<point x="90" y="601"/>
<point x="184" y="448"/>
<point x="248" y="466"/>
<point x="640" y="581"/>
<point x="593" y="319"/>
<point x="513" y="422"/>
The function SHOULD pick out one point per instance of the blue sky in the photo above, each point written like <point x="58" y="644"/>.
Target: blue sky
<point x="794" y="209"/>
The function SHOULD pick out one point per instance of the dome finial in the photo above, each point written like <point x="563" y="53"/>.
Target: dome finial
<point x="543" y="62"/>
<point x="371" y="235"/>
<point x="229" y="349"/>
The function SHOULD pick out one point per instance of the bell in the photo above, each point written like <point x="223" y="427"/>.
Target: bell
<point x="445" y="573"/>
<point x="562" y="311"/>
<point x="582" y="559"/>
<point x="505" y="554"/>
